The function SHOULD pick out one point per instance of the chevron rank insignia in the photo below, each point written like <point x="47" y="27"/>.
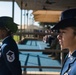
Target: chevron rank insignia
<point x="10" y="56"/>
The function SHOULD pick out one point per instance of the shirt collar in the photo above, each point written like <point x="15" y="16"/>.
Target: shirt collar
<point x="73" y="54"/>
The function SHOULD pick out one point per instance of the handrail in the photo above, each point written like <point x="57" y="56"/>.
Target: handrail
<point x="46" y="50"/>
<point x="35" y="33"/>
<point x="53" y="67"/>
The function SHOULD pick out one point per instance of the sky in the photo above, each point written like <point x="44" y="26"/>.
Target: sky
<point x="6" y="10"/>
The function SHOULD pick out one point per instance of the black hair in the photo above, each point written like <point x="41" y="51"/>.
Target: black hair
<point x="74" y="28"/>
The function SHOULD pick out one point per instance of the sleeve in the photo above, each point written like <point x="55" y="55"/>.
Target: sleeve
<point x="12" y="60"/>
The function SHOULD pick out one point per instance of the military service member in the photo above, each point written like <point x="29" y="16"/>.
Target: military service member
<point x="9" y="55"/>
<point x="67" y="39"/>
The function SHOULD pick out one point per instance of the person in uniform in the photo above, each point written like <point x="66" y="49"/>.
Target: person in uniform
<point x="9" y="55"/>
<point x="67" y="39"/>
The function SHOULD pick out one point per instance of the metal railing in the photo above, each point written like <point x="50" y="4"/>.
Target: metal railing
<point x="46" y="50"/>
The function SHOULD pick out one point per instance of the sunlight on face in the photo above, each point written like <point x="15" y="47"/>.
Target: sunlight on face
<point x="66" y="38"/>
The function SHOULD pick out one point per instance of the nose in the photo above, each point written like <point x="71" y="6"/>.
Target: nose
<point x="59" y="36"/>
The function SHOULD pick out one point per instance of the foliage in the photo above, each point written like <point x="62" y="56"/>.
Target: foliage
<point x="16" y="38"/>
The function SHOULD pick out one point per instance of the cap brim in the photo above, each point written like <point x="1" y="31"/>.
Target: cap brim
<point x="13" y="27"/>
<point x="65" y="23"/>
<point x="8" y="23"/>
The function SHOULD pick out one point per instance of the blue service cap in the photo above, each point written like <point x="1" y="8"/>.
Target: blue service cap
<point x="8" y="23"/>
<point x="68" y="19"/>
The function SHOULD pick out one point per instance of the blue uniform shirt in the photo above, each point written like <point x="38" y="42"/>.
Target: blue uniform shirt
<point x="9" y="58"/>
<point x="69" y="66"/>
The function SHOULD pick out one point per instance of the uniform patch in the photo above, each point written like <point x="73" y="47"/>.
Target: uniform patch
<point x="10" y="56"/>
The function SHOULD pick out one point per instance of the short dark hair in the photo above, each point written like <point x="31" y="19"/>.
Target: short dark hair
<point x="74" y="28"/>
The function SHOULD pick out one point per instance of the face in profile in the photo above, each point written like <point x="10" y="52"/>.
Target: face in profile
<point x="3" y="33"/>
<point x="66" y="38"/>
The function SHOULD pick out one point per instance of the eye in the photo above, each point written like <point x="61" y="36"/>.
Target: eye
<point x="63" y="32"/>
